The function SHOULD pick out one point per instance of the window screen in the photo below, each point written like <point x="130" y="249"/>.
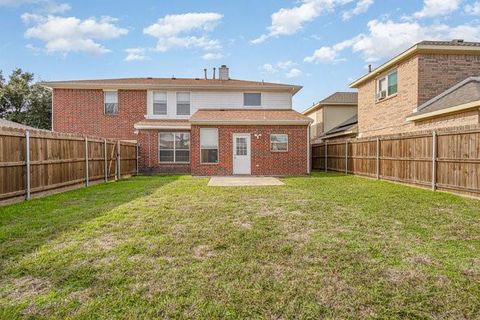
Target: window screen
<point x="252" y="99"/>
<point x="183" y="103"/>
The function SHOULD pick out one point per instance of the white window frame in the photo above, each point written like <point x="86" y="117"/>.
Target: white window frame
<point x="377" y="89"/>
<point x="217" y="148"/>
<point x="174" y="148"/>
<point x="153" y="103"/>
<point x="105" y="102"/>
<point x="189" y="103"/>
<point x="261" y="99"/>
<point x="273" y="142"/>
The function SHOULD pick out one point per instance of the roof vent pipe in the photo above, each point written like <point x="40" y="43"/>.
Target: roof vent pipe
<point x="369" y="68"/>
<point x="205" y="71"/>
<point x="214" y="71"/>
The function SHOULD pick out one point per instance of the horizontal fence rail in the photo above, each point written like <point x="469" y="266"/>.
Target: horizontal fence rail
<point x="439" y="160"/>
<point x="38" y="161"/>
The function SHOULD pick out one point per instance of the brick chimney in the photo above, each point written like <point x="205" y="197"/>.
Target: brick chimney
<point x="223" y="73"/>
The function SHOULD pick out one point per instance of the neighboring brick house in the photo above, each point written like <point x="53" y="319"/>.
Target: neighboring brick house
<point x="390" y="97"/>
<point x="198" y="126"/>
<point x="331" y="112"/>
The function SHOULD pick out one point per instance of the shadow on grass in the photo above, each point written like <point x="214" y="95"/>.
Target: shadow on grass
<point x="28" y="225"/>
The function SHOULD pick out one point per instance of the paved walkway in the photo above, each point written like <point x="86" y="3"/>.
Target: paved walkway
<point x="244" y="181"/>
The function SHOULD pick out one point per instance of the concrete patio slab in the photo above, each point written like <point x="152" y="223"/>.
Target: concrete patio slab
<point x="244" y="181"/>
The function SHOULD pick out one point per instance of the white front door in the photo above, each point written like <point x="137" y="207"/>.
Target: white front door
<point x="241" y="153"/>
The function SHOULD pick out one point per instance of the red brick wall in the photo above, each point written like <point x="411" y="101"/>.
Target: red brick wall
<point x="263" y="161"/>
<point x="82" y="111"/>
<point x="148" y="154"/>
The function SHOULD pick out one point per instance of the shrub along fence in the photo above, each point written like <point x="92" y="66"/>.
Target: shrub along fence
<point x="39" y="161"/>
<point x="444" y="160"/>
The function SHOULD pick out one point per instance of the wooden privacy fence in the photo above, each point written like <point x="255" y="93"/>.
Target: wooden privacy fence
<point x="448" y="160"/>
<point x="39" y="161"/>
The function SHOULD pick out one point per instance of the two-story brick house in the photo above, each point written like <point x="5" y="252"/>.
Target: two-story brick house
<point x="397" y="96"/>
<point x="203" y="126"/>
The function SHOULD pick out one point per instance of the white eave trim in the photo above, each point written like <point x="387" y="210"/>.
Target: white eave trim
<point x="415" y="49"/>
<point x="251" y="122"/>
<point x="162" y="127"/>
<point x="455" y="109"/>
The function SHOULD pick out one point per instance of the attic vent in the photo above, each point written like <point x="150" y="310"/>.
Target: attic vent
<point x="149" y="78"/>
<point x="457" y="40"/>
<point x="173" y="77"/>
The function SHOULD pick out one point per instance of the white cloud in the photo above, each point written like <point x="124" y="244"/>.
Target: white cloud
<point x="473" y="8"/>
<point x="361" y="7"/>
<point x="45" y="6"/>
<point x="173" y="31"/>
<point x="70" y="34"/>
<point x="135" y="54"/>
<point x="281" y="65"/>
<point x="290" y="21"/>
<point x="385" y="39"/>
<point x="269" y="68"/>
<point x="212" y="56"/>
<point x="323" y="54"/>
<point x="433" y="8"/>
<point x="293" y="73"/>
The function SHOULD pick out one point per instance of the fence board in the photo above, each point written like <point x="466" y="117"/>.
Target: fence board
<point x="58" y="160"/>
<point x="409" y="159"/>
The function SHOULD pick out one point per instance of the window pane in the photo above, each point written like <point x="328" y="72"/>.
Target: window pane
<point x="382" y="84"/>
<point x="160" y="108"/>
<point x="392" y="83"/>
<point x="182" y="155"/>
<point x="182" y="141"/>
<point x="183" y="97"/>
<point x="209" y="155"/>
<point x="111" y="108"/>
<point x="252" y="99"/>
<point x="111" y="97"/>
<point x="279" y="147"/>
<point x="183" y="109"/>
<point x="241" y="146"/>
<point x="209" y="138"/>
<point x="166" y="140"/>
<point x="279" y="138"/>
<point x="160" y="96"/>
<point x="166" y="155"/>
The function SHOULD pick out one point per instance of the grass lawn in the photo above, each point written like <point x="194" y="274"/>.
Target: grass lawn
<point x="325" y="246"/>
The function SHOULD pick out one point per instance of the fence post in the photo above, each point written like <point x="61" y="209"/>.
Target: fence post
<point x="136" y="161"/>
<point x="346" y="156"/>
<point x="119" y="174"/>
<point x="326" y="157"/>
<point x="106" y="161"/>
<point x="434" y="160"/>
<point x="378" y="158"/>
<point x="86" y="162"/>
<point x="27" y="162"/>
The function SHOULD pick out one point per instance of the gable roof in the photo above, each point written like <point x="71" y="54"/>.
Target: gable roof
<point x="439" y="47"/>
<point x="337" y="98"/>
<point x="191" y="83"/>
<point x="464" y="95"/>
<point x="249" y="117"/>
<point x="347" y="127"/>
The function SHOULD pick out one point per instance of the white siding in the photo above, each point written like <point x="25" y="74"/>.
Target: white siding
<point x="216" y="100"/>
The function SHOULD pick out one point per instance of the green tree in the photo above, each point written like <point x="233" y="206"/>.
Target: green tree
<point x="23" y="101"/>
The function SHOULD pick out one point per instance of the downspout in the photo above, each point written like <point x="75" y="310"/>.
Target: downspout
<point x="308" y="150"/>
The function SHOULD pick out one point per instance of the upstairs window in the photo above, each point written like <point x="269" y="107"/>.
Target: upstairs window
<point x="159" y="103"/>
<point x="111" y="102"/>
<point x="279" y="142"/>
<point x="387" y="86"/>
<point x="183" y="103"/>
<point x="209" y="145"/>
<point x="252" y="99"/>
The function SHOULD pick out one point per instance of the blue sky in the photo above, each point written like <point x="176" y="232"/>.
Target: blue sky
<point x="320" y="44"/>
